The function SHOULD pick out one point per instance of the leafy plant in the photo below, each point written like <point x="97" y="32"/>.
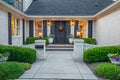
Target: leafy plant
<point x="26" y="65"/>
<point x="70" y="36"/>
<point x="99" y="54"/>
<point x="108" y="70"/>
<point x="114" y="56"/>
<point x="51" y="36"/>
<point x="10" y="70"/>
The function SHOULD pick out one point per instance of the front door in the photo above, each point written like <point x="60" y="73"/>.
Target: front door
<point x="60" y="32"/>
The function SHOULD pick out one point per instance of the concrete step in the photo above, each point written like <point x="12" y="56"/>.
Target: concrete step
<point x="59" y="48"/>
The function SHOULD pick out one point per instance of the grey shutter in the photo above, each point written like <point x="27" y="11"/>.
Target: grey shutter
<point x="23" y="31"/>
<point x="31" y="28"/>
<point x="45" y="28"/>
<point x="9" y="29"/>
<point x="90" y="27"/>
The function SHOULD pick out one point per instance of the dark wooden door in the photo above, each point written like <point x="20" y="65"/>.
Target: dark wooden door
<point x="60" y="32"/>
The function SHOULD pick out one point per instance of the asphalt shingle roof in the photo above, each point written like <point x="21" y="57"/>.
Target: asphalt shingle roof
<point x="67" y="7"/>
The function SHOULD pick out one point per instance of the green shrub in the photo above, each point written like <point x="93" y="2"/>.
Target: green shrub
<point x="108" y="70"/>
<point x="26" y="66"/>
<point x="90" y="40"/>
<point x="19" y="54"/>
<point x="10" y="70"/>
<point x="99" y="54"/>
<point x="31" y="40"/>
<point x="45" y="38"/>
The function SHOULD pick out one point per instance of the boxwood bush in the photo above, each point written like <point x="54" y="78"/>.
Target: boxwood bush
<point x="99" y="54"/>
<point x="10" y="70"/>
<point x="90" y="40"/>
<point x="31" y="40"/>
<point x="19" y="54"/>
<point x="108" y="70"/>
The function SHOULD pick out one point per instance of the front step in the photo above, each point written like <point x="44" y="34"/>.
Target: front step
<point x="59" y="48"/>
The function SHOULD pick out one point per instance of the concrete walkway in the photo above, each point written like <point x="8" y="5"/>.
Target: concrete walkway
<point x="58" y="65"/>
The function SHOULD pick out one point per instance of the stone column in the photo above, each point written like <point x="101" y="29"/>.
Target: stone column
<point x="40" y="49"/>
<point x="72" y="30"/>
<point x="48" y="30"/>
<point x="78" y="49"/>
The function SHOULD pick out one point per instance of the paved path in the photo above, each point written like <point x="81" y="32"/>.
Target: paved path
<point x="58" y="65"/>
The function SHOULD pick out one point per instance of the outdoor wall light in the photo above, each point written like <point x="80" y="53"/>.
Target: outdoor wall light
<point x="48" y="23"/>
<point x="72" y="23"/>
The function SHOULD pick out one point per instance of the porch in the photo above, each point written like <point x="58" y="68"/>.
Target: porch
<point x="61" y="28"/>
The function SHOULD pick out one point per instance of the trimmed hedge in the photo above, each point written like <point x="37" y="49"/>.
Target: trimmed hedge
<point x="99" y="54"/>
<point x="108" y="70"/>
<point x="31" y="40"/>
<point x="90" y="40"/>
<point x="10" y="70"/>
<point x="19" y="54"/>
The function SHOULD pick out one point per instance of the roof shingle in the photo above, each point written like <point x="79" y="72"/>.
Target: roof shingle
<point x="67" y="7"/>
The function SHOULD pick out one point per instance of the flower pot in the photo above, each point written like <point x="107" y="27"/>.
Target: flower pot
<point x="114" y="61"/>
<point x="70" y="40"/>
<point x="51" y="40"/>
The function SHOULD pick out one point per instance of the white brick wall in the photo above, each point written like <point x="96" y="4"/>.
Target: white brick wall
<point x="26" y="4"/>
<point x="107" y="29"/>
<point x="3" y="27"/>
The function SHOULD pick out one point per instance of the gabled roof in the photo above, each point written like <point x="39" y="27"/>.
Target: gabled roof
<point x="67" y="7"/>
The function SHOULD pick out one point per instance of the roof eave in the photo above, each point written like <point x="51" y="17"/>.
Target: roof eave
<point x="107" y="10"/>
<point x="60" y="17"/>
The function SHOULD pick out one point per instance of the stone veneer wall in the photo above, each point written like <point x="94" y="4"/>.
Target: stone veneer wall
<point x="3" y="27"/>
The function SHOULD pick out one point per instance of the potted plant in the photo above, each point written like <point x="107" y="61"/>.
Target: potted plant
<point x="51" y="38"/>
<point x="70" y="38"/>
<point x="114" y="58"/>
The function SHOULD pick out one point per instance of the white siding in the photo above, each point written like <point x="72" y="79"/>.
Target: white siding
<point x="26" y="4"/>
<point x="3" y="27"/>
<point x="107" y="29"/>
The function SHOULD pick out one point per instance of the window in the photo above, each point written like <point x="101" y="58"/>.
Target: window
<point x="82" y="29"/>
<point x="15" y="23"/>
<point x="38" y="29"/>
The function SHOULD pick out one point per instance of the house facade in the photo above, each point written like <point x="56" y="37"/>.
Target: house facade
<point x="98" y="19"/>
